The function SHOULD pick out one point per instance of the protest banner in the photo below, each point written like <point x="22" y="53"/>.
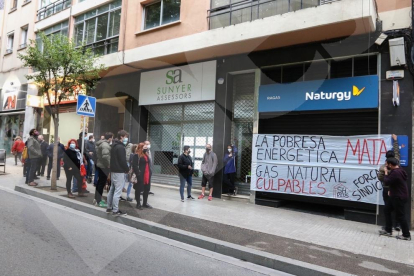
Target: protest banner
<point x="337" y="167"/>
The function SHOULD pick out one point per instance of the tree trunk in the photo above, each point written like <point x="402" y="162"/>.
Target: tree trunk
<point x="55" y="152"/>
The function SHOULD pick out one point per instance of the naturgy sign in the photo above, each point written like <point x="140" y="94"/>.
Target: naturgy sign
<point x="195" y="82"/>
<point x="345" y="93"/>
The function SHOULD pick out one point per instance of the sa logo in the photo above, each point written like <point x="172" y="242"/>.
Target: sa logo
<point x="174" y="76"/>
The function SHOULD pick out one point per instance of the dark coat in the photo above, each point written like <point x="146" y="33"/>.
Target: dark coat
<point x="397" y="181"/>
<point x="183" y="162"/>
<point x="138" y="165"/>
<point x="61" y="150"/>
<point x="43" y="148"/>
<point x="71" y="159"/>
<point x="118" y="160"/>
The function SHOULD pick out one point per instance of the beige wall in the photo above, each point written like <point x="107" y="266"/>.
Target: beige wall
<point x="389" y="5"/>
<point x="193" y="17"/>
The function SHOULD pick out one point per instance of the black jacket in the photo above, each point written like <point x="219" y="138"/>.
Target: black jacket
<point x="71" y="160"/>
<point x="138" y="165"/>
<point x="183" y="162"/>
<point x="90" y="147"/>
<point x="43" y="148"/>
<point x="397" y="181"/>
<point x="61" y="150"/>
<point x="118" y="160"/>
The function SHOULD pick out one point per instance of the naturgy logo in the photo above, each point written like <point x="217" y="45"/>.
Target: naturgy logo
<point x="339" y="96"/>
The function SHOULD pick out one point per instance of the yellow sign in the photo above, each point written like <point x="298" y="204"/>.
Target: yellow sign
<point x="34" y="101"/>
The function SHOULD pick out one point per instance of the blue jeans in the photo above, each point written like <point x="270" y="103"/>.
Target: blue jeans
<point x="75" y="186"/>
<point x="90" y="166"/>
<point x="129" y="189"/>
<point x="117" y="183"/>
<point x="189" y="180"/>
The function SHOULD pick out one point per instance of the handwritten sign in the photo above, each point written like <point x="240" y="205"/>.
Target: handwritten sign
<point x="340" y="167"/>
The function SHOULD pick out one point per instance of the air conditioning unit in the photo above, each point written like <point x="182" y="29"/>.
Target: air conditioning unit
<point x="397" y="51"/>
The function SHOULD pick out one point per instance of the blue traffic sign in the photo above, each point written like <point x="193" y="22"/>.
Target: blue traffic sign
<point x="86" y="106"/>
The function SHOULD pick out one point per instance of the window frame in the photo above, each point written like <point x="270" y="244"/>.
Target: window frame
<point x="54" y="32"/>
<point x="14" y="5"/>
<point x="144" y="14"/>
<point x="95" y="17"/>
<point x="24" y="31"/>
<point x="9" y="48"/>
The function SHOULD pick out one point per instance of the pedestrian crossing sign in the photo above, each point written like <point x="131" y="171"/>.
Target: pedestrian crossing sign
<point x="86" y="106"/>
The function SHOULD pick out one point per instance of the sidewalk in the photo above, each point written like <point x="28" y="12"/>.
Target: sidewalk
<point x="347" y="246"/>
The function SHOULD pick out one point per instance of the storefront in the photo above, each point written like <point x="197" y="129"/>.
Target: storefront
<point x="180" y="106"/>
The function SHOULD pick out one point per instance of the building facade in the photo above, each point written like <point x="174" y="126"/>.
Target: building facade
<point x="185" y="72"/>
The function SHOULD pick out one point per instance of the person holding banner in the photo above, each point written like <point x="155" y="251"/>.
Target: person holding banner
<point x="396" y="179"/>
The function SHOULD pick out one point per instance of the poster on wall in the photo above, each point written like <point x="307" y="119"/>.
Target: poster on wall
<point x="335" y="167"/>
<point x="10" y="98"/>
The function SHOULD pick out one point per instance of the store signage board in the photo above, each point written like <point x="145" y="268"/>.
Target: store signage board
<point x="34" y="101"/>
<point x="10" y="98"/>
<point x="403" y="145"/>
<point x="335" y="167"/>
<point x="332" y="94"/>
<point x="86" y="106"/>
<point x="190" y="83"/>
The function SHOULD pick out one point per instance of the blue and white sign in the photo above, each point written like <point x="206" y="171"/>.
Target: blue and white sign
<point x="86" y="106"/>
<point x="403" y="145"/>
<point x="333" y="94"/>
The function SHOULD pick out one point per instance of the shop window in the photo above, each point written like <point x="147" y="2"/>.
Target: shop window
<point x="365" y="66"/>
<point x="341" y="68"/>
<point x="317" y="70"/>
<point x="271" y="76"/>
<point x="292" y="73"/>
<point x="161" y="13"/>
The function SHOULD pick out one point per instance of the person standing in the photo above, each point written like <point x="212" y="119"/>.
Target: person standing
<point x="75" y="187"/>
<point x="151" y="159"/>
<point x="130" y="160"/>
<point x="61" y="150"/>
<point x="208" y="167"/>
<point x="142" y="168"/>
<point x="128" y="148"/>
<point x="91" y="152"/>
<point x="35" y="153"/>
<point x="103" y="164"/>
<point x="119" y="168"/>
<point x="73" y="160"/>
<point x="17" y="149"/>
<point x="185" y="171"/>
<point x="230" y="169"/>
<point x="43" y="160"/>
<point x="396" y="179"/>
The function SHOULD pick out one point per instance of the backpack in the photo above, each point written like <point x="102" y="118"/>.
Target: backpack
<point x="25" y="154"/>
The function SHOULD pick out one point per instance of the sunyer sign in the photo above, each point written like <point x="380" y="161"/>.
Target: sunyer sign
<point x="344" y="93"/>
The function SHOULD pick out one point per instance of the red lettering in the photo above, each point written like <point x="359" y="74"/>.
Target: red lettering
<point x="365" y="150"/>
<point x="310" y="188"/>
<point x="257" y="183"/>
<point x="303" y="188"/>
<point x="280" y="183"/>
<point x="354" y="150"/>
<point x="296" y="183"/>
<point x="273" y="182"/>
<point x="383" y="150"/>
<point x="322" y="188"/>
<point x="264" y="185"/>
<point x="288" y="185"/>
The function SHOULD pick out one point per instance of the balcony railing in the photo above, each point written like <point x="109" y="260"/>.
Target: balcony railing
<point x="250" y="10"/>
<point x="53" y="8"/>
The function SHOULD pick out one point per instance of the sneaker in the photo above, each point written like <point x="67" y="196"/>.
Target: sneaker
<point x="108" y="211"/>
<point x="182" y="200"/>
<point x="129" y="199"/>
<point x="94" y="202"/>
<point x="384" y="233"/>
<point x="151" y="193"/>
<point x="147" y="206"/>
<point x="139" y="206"/>
<point x="119" y="213"/>
<point x="190" y="197"/>
<point x="235" y="191"/>
<point x="401" y="237"/>
<point x="201" y="196"/>
<point x="210" y="198"/>
<point x="103" y="204"/>
<point x="397" y="228"/>
<point x="121" y="198"/>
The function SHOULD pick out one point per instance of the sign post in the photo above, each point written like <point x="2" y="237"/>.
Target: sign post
<point x="86" y="107"/>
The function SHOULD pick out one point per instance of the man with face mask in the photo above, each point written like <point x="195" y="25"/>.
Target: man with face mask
<point x="103" y="163"/>
<point x="128" y="147"/>
<point x="119" y="168"/>
<point x="35" y="153"/>
<point x="91" y="153"/>
<point x="208" y="167"/>
<point x="396" y="179"/>
<point x="185" y="171"/>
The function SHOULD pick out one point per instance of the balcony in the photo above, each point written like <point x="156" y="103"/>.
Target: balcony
<point x="53" y="8"/>
<point x="240" y="11"/>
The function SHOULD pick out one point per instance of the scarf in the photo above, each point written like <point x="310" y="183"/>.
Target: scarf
<point x="78" y="155"/>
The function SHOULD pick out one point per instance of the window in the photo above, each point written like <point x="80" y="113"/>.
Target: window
<point x="51" y="7"/>
<point x="99" y="29"/>
<point x="23" y="37"/>
<point x="61" y="28"/>
<point x="14" y="4"/>
<point x="161" y="13"/>
<point x="10" y="42"/>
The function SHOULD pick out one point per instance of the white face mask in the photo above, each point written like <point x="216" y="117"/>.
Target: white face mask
<point x="229" y="150"/>
<point x="149" y="146"/>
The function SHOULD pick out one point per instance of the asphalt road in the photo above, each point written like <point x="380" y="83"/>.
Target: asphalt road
<point x="42" y="238"/>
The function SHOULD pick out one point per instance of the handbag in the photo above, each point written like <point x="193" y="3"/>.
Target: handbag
<point x="82" y="170"/>
<point x="132" y="177"/>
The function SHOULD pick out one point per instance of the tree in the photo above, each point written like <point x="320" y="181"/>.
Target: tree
<point x="59" y="70"/>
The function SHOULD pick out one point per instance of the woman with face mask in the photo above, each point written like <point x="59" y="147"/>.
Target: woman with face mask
<point x="230" y="169"/>
<point x="73" y="160"/>
<point x="142" y="168"/>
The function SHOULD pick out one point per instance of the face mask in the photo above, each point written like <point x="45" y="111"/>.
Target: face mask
<point x="93" y="140"/>
<point x="125" y="140"/>
<point x="149" y="146"/>
<point x="207" y="149"/>
<point x="72" y="146"/>
<point x="145" y="150"/>
<point x="189" y="151"/>
<point x="229" y="150"/>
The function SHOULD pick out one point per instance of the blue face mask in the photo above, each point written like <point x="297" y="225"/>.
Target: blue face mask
<point x="125" y="141"/>
<point x="72" y="146"/>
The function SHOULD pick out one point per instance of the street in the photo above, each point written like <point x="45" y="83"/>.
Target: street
<point x="42" y="238"/>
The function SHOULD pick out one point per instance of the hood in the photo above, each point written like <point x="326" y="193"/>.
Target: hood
<point x="402" y="173"/>
<point x="117" y="143"/>
<point x="100" y="142"/>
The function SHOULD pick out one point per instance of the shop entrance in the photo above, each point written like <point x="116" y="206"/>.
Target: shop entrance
<point x="172" y="127"/>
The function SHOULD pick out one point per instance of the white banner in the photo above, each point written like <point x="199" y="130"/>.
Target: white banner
<point x="190" y="83"/>
<point x="321" y="166"/>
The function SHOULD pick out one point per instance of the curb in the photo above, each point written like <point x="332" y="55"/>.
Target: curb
<point x="233" y="250"/>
